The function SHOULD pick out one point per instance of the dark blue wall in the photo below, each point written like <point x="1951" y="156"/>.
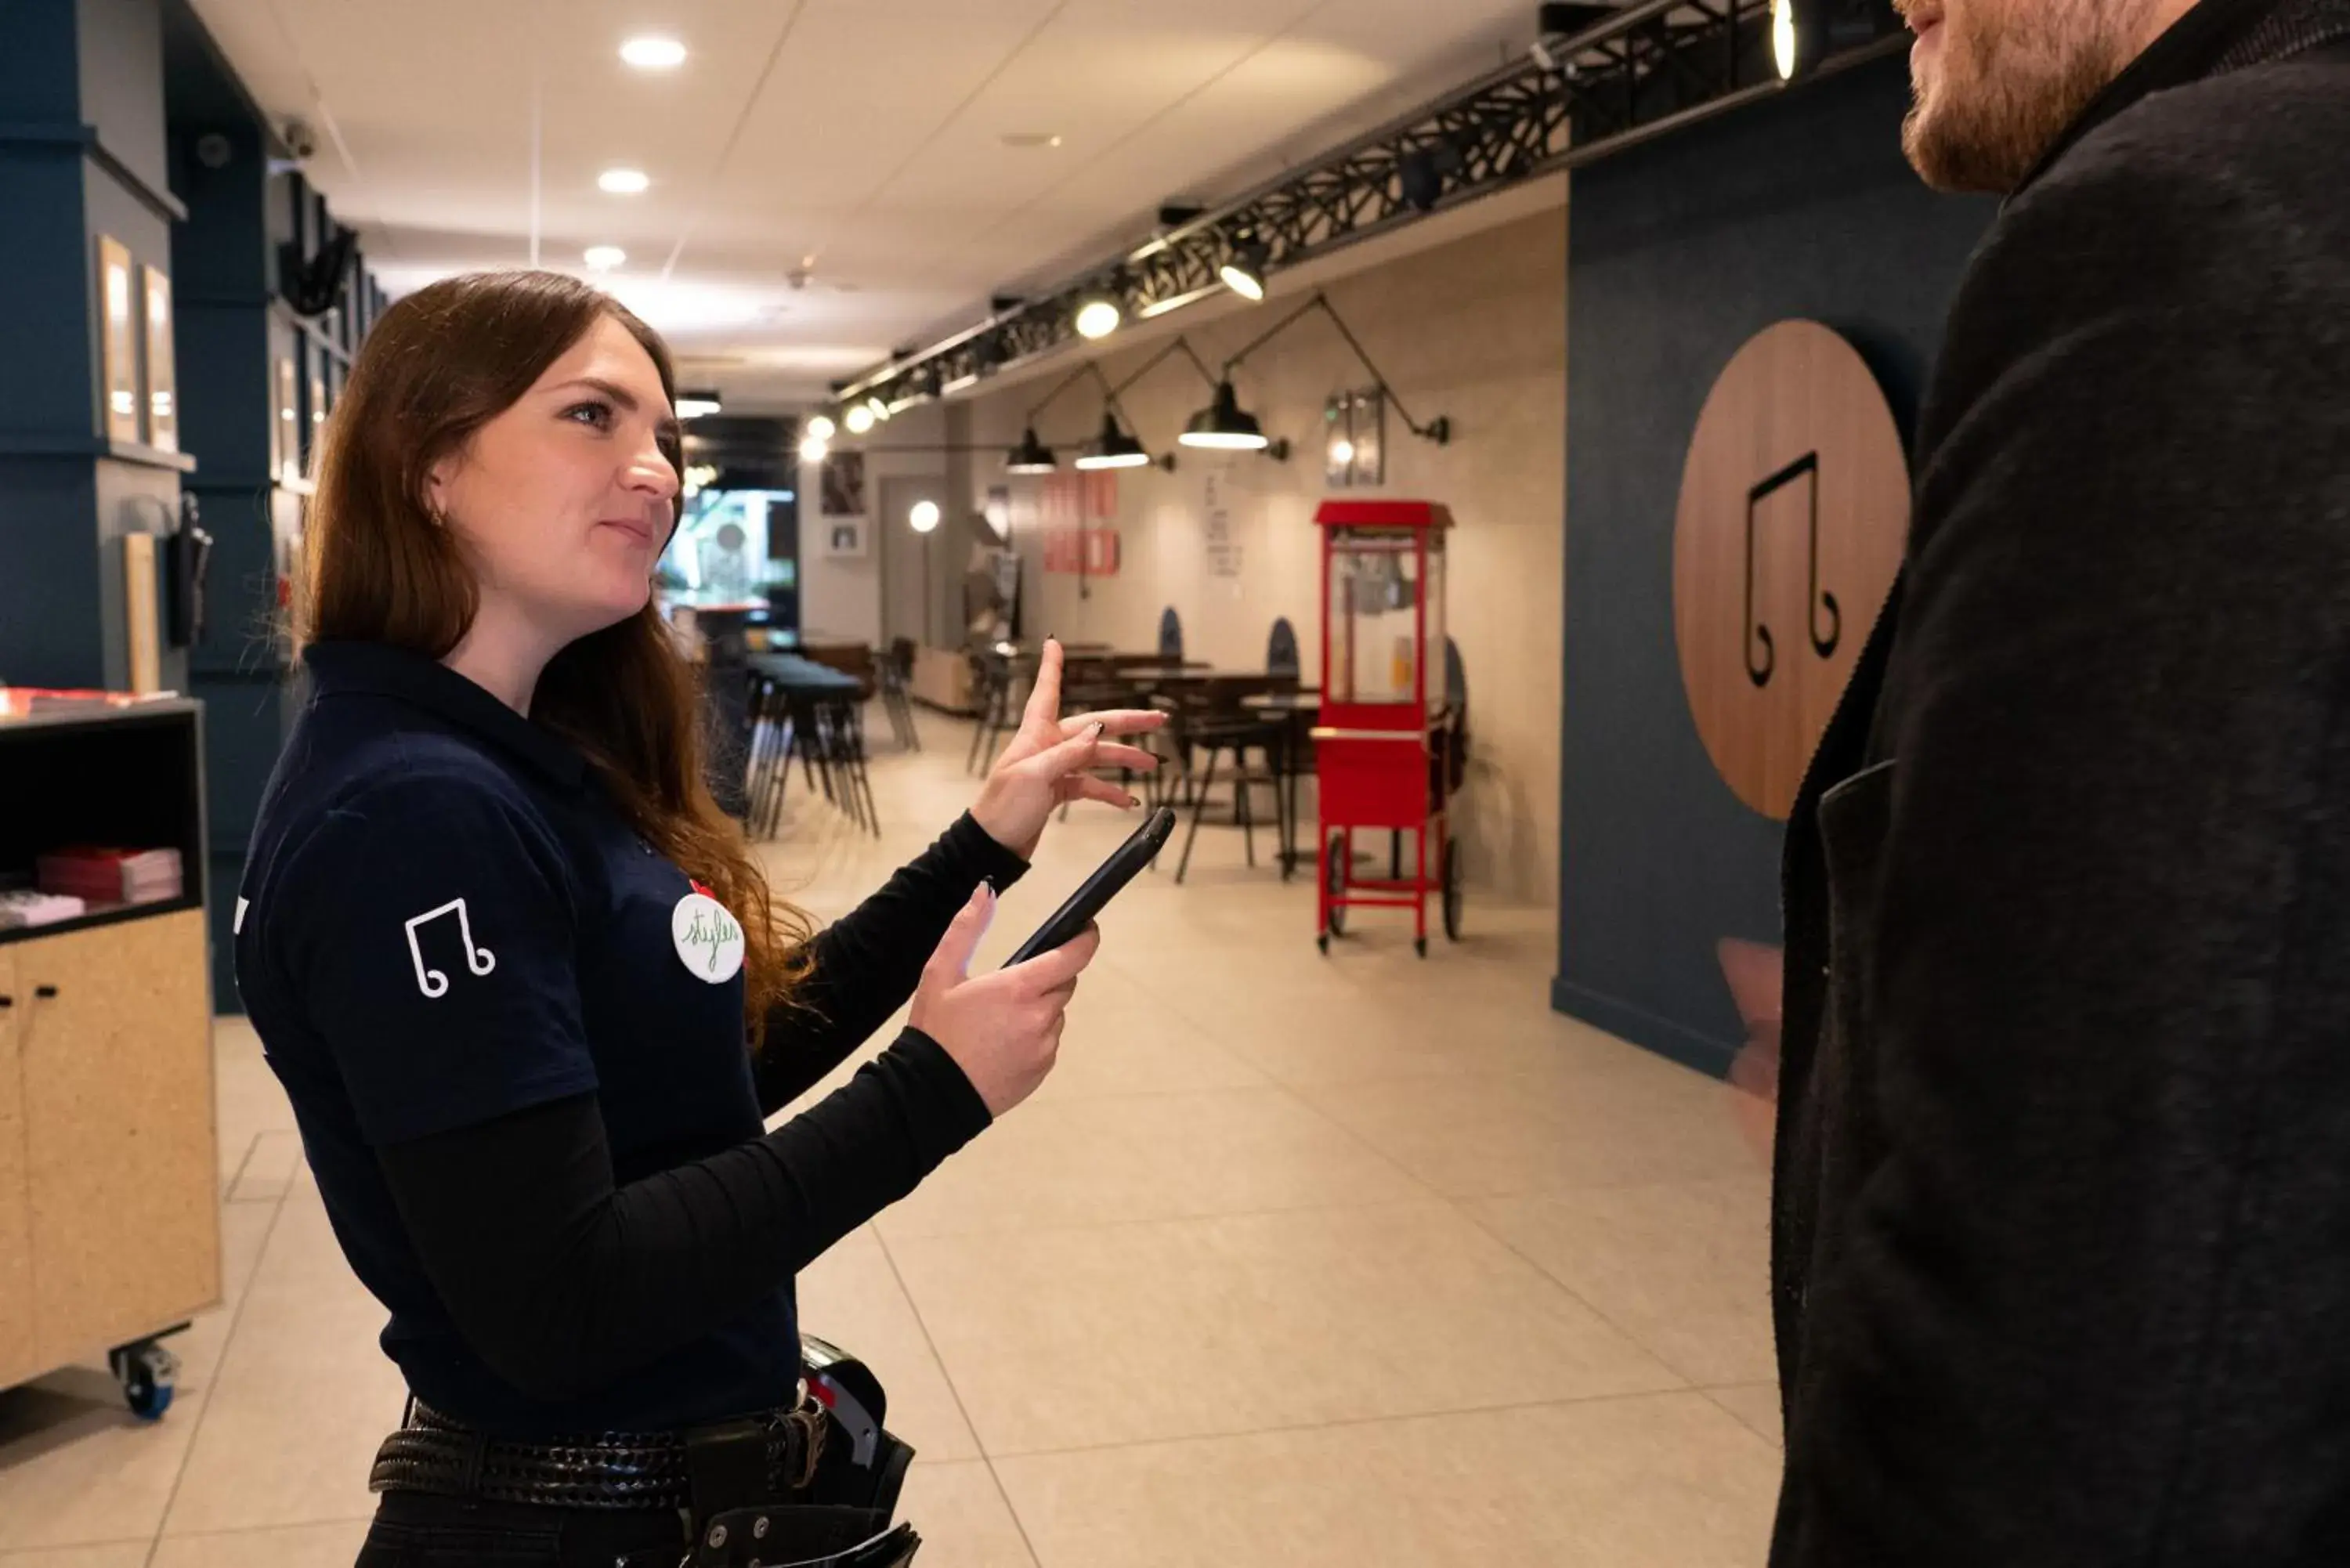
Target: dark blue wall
<point x="1678" y="254"/>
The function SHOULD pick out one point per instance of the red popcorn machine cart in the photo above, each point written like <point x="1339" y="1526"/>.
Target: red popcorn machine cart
<point x="1387" y="749"/>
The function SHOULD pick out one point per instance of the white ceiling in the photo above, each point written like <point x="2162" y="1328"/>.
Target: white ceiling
<point x="867" y="134"/>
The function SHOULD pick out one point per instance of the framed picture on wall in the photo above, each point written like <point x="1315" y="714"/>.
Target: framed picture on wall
<point x="1370" y="436"/>
<point x="1338" y="441"/>
<point x="118" y="311"/>
<point x="845" y="538"/>
<point x="162" y="371"/>
<point x="844" y="484"/>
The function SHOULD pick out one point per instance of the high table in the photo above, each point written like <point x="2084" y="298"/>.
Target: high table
<point x="793" y="673"/>
<point x="1293" y="714"/>
<point x="819" y="710"/>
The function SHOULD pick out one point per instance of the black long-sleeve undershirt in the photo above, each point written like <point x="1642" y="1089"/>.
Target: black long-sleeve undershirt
<point x="869" y="962"/>
<point x="563" y="1280"/>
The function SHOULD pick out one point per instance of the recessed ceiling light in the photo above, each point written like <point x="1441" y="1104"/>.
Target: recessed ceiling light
<point x="653" y="54"/>
<point x="1031" y="139"/>
<point x="622" y="181"/>
<point x="604" y="258"/>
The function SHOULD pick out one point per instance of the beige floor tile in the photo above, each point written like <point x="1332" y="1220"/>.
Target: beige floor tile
<point x="851" y="1297"/>
<point x="77" y="1467"/>
<point x="1581" y="1126"/>
<point x="248" y="1098"/>
<point x="122" y="1554"/>
<point x="1685" y="1268"/>
<point x="303" y="1395"/>
<point x="1756" y="1404"/>
<point x="962" y="1518"/>
<point x="300" y="1546"/>
<point x="1149" y="1157"/>
<point x="244" y="1228"/>
<point x="268" y="1169"/>
<point x="1668" y="1481"/>
<point x="1123" y="1040"/>
<point x="1074" y="1338"/>
<point x="1445" y="1032"/>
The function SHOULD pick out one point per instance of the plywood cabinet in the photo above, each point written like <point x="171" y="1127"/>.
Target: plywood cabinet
<point x="18" y="1358"/>
<point x="113" y="1041"/>
<point x="109" y="1177"/>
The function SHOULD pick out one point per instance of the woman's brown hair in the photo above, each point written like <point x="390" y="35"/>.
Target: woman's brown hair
<point x="440" y="365"/>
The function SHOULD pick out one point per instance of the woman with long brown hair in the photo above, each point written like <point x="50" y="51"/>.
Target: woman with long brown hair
<point x="531" y="999"/>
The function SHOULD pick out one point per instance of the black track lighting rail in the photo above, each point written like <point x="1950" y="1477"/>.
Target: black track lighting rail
<point x="1648" y="69"/>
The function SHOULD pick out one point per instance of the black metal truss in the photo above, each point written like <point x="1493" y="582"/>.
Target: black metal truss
<point x="1648" y="69"/>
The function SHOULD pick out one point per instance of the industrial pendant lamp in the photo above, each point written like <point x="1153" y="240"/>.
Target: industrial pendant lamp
<point x="1226" y="426"/>
<point x="1031" y="456"/>
<point x="1243" y="270"/>
<point x="1113" y="448"/>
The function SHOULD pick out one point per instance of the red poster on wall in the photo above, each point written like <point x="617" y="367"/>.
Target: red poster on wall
<point x="1074" y="499"/>
<point x="1073" y="504"/>
<point x="1096" y="547"/>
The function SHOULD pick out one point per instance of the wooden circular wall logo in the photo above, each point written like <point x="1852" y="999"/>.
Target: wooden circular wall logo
<point x="1795" y="504"/>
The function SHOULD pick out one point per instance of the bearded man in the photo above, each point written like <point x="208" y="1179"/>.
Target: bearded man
<point x="2062" y="1209"/>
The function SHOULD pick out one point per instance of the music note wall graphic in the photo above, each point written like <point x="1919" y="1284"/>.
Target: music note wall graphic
<point x="435" y="983"/>
<point x="1759" y="702"/>
<point x="1806" y="467"/>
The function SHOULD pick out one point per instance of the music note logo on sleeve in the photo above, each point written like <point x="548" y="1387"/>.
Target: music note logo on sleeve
<point x="434" y="982"/>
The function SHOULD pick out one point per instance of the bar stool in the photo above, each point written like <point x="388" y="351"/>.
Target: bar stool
<point x="1218" y="728"/>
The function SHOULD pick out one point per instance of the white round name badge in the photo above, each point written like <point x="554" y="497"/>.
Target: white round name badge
<point x="709" y="940"/>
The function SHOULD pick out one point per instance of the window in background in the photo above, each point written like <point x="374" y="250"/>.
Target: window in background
<point x="723" y="552"/>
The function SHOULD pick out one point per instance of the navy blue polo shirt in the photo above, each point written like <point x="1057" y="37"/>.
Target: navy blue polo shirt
<point x="444" y="919"/>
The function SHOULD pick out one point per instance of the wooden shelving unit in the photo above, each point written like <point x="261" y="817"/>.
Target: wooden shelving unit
<point x="109" y="1168"/>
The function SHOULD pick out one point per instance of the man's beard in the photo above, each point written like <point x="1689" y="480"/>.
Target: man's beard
<point x="2010" y="83"/>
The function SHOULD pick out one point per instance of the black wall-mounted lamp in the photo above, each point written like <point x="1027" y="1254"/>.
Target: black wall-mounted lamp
<point x="1225" y="425"/>
<point x="1112" y="448"/>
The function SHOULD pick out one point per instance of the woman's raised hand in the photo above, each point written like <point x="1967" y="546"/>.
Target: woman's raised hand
<point x="1052" y="761"/>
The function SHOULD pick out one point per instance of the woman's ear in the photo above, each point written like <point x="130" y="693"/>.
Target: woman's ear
<point x="437" y="486"/>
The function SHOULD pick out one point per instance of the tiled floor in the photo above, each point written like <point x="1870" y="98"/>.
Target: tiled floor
<point x="1295" y="1261"/>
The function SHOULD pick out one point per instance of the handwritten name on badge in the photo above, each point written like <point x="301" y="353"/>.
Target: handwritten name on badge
<point x="709" y="940"/>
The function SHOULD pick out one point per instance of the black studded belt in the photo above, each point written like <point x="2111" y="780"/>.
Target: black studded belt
<point x="436" y="1453"/>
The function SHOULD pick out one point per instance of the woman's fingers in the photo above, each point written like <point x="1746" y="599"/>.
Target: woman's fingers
<point x="1044" y="696"/>
<point x="1131" y="757"/>
<point x="1084" y="786"/>
<point x="1049" y="972"/>
<point x="1071" y="755"/>
<point x="1116" y="722"/>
